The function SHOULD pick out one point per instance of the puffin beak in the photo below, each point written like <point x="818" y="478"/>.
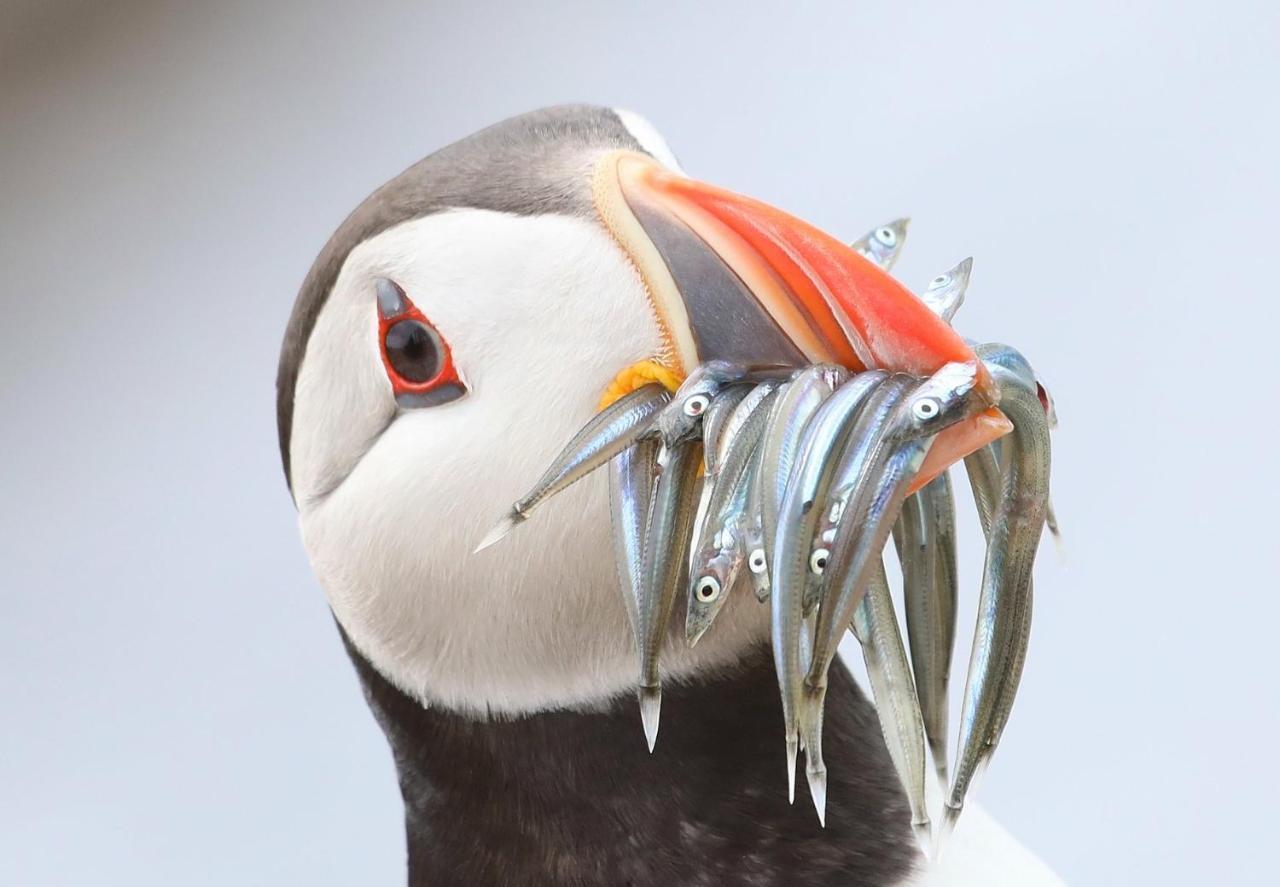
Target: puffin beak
<point x="731" y="278"/>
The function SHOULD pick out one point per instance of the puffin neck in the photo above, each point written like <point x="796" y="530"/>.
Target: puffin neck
<point x="574" y="798"/>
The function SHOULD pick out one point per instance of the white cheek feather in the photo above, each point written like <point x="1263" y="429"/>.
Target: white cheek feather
<point x="649" y="138"/>
<point x="541" y="312"/>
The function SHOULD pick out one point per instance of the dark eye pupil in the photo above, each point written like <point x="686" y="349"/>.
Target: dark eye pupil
<point x="413" y="351"/>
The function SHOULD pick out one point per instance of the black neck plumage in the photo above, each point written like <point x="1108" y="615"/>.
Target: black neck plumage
<point x="574" y="798"/>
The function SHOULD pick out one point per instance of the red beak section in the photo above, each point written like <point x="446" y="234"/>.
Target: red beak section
<point x="735" y="279"/>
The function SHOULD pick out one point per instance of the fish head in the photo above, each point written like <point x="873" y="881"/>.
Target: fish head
<point x="1010" y="367"/>
<point x="1008" y="362"/>
<point x="883" y="244"/>
<point x="942" y="399"/>
<point x="712" y="576"/>
<point x="951" y="280"/>
<point x="680" y="419"/>
<point x="945" y="292"/>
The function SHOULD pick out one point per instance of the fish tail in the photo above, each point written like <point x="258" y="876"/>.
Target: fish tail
<point x="650" y="711"/>
<point x="509" y="522"/>
<point x="793" y="752"/>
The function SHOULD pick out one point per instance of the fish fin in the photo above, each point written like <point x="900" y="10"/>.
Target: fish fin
<point x="504" y="526"/>
<point x="1055" y="530"/>
<point x="650" y="711"/>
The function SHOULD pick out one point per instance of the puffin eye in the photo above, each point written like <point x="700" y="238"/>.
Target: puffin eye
<point x="416" y="357"/>
<point x="413" y="350"/>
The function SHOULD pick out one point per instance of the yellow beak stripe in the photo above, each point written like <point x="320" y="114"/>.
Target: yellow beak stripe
<point x="637" y="376"/>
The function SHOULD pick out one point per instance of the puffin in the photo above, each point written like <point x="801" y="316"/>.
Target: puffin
<point x="458" y="327"/>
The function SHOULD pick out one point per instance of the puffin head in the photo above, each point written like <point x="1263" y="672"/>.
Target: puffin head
<point x="466" y="320"/>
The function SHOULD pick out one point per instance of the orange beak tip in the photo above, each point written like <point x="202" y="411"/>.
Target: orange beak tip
<point x="960" y="440"/>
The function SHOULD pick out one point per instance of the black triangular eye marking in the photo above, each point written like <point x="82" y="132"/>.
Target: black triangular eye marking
<point x="391" y="298"/>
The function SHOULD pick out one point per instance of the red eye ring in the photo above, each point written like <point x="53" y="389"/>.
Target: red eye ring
<point x="407" y="342"/>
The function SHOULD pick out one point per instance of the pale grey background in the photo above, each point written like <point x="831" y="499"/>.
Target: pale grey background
<point x="175" y="707"/>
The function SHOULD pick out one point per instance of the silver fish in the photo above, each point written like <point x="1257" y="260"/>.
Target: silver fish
<point x="795" y="401"/>
<point x="839" y="593"/>
<point x="713" y="575"/>
<point x="720" y="547"/>
<point x="792" y="409"/>
<point x="760" y="398"/>
<point x="753" y="537"/>
<point x="631" y="476"/>
<point x="1004" y="606"/>
<point x="609" y="432"/>
<point x="715" y="420"/>
<point x="753" y="521"/>
<point x="986" y="481"/>
<point x="867" y="520"/>
<point x="856" y="463"/>
<point x="872" y="379"/>
<point x="883" y="245"/>
<point x="1051" y="409"/>
<point x="829" y="425"/>
<point x="897" y="706"/>
<point x="741" y="440"/>
<point x="925" y="534"/>
<point x="663" y="567"/>
<point x="945" y="293"/>
<point x="680" y="419"/>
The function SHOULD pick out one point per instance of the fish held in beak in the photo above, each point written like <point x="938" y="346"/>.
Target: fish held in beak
<point x="731" y="278"/>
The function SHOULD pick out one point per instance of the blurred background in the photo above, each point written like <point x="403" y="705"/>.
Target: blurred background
<point x="175" y="705"/>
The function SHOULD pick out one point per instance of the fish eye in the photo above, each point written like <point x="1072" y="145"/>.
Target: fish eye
<point x="696" y="405"/>
<point x="756" y="562"/>
<point x="416" y="357"/>
<point x="886" y="236"/>
<point x="818" y="561"/>
<point x="940" y="281"/>
<point x="708" y="589"/>
<point x="925" y="408"/>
